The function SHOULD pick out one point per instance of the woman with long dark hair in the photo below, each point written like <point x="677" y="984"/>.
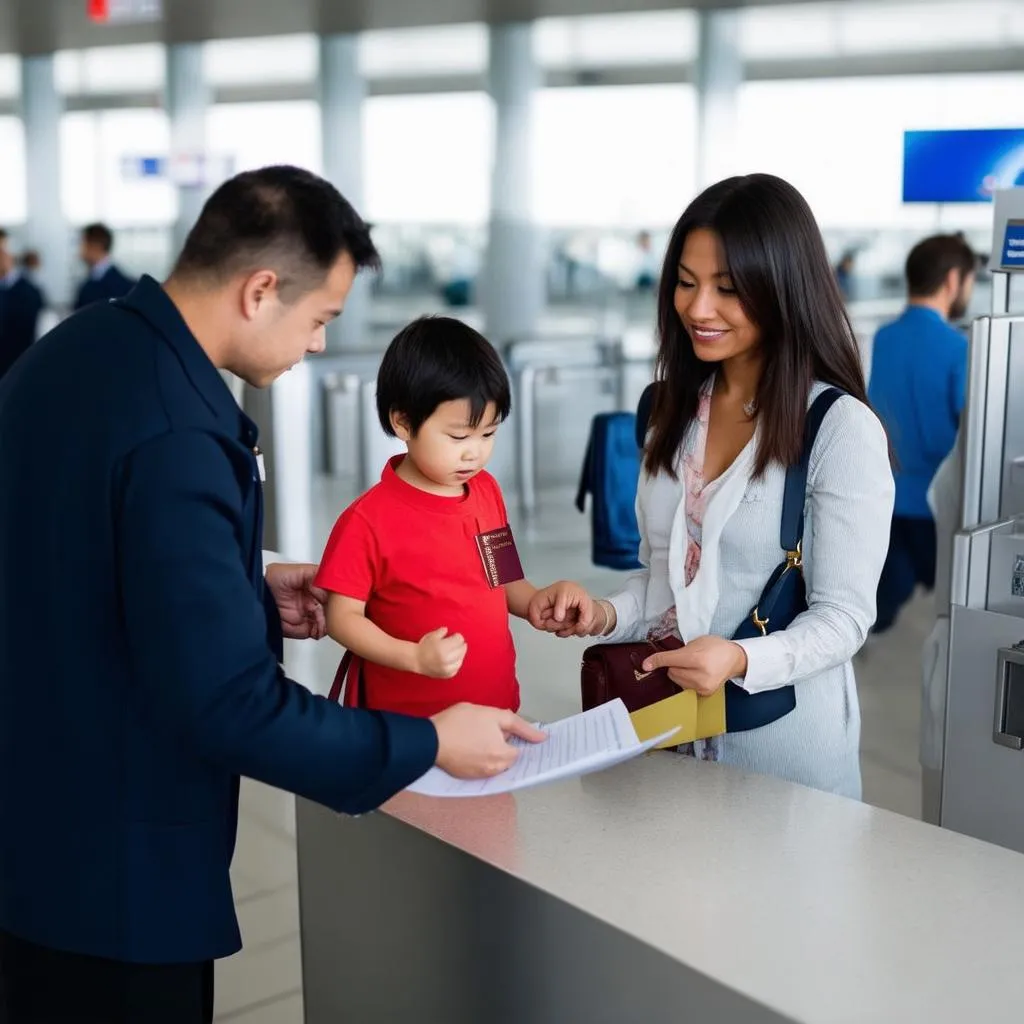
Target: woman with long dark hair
<point x="752" y="330"/>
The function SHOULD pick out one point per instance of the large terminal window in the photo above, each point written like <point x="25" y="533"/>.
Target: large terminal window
<point x="13" y="199"/>
<point x="427" y="158"/>
<point x="851" y="28"/>
<point x="606" y="40"/>
<point x="110" y="70"/>
<point x="260" y="61"/>
<point x="618" y="156"/>
<point x="102" y="154"/>
<point x="10" y="76"/>
<point x="251" y="135"/>
<point x="442" y="49"/>
<point x="840" y="140"/>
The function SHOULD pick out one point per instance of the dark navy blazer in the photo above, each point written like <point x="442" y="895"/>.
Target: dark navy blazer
<point x="112" y="285"/>
<point x="139" y="661"/>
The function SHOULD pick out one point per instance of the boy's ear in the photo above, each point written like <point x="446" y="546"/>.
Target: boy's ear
<point x="400" y="425"/>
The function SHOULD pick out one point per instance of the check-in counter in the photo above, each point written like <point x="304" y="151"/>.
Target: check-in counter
<point x="663" y="890"/>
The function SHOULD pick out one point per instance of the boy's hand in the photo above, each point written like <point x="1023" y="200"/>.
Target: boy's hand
<point x="440" y="656"/>
<point x="565" y="609"/>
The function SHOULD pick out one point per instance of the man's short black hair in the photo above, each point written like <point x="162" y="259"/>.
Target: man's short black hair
<point x="282" y="218"/>
<point x="440" y="359"/>
<point x="99" y="234"/>
<point x="931" y="260"/>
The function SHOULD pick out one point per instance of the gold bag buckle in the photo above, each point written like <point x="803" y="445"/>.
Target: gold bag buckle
<point x="794" y="560"/>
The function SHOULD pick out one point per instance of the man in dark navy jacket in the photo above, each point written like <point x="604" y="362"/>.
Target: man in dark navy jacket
<point x="21" y="302"/>
<point x="105" y="281"/>
<point x="140" y="641"/>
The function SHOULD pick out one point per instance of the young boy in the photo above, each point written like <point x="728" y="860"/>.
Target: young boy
<point x="422" y="570"/>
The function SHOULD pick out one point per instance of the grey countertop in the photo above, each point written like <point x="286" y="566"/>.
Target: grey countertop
<point x="818" y="907"/>
<point x="821" y="908"/>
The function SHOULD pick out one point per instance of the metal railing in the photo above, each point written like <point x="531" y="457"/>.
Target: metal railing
<point x="356" y="447"/>
<point x="531" y="360"/>
<point x="355" y="444"/>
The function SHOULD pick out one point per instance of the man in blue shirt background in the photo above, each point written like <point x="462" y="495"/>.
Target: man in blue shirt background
<point x="918" y="385"/>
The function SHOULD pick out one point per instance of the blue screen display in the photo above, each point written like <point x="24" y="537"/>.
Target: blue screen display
<point x="1013" y="245"/>
<point x="961" y="166"/>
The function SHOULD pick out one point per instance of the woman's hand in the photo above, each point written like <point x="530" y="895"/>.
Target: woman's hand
<point x="704" y="665"/>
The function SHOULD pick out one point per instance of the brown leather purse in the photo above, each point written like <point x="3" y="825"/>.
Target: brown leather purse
<point x="613" y="671"/>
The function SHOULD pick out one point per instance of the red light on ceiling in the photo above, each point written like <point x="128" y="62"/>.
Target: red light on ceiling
<point x="98" y="10"/>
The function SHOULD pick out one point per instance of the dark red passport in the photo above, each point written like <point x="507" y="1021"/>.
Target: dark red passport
<point x="500" y="557"/>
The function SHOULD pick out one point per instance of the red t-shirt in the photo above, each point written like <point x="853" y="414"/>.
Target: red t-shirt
<point x="413" y="558"/>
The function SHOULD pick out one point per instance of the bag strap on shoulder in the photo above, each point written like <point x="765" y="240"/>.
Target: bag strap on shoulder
<point x="586" y="484"/>
<point x="795" y="494"/>
<point x="643" y="414"/>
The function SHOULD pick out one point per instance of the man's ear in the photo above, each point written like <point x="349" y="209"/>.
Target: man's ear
<point x="954" y="282"/>
<point x="400" y="425"/>
<point x="256" y="290"/>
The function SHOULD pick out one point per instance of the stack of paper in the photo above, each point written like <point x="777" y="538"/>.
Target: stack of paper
<point x="590" y="742"/>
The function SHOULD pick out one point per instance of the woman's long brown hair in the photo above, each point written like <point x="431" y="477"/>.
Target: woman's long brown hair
<point x="780" y="270"/>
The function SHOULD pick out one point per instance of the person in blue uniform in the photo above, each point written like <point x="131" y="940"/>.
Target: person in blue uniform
<point x="918" y="387"/>
<point x="141" y="637"/>
<point x="21" y="302"/>
<point x="105" y="280"/>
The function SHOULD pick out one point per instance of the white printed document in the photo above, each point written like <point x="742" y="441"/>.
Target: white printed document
<point x="589" y="742"/>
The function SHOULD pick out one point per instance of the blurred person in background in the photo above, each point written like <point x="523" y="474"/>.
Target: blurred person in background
<point x="49" y="317"/>
<point x="21" y="302"/>
<point x="646" y="263"/>
<point x="918" y="386"/>
<point x="105" y="281"/>
<point x="31" y="262"/>
<point x="460" y="275"/>
<point x="844" y="273"/>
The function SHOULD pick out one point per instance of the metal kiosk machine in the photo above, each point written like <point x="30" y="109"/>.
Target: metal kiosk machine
<point x="983" y="766"/>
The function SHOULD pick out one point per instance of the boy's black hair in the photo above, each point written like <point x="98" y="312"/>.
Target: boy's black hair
<point x="440" y="359"/>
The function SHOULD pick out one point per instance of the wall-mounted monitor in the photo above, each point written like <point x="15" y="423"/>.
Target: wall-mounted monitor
<point x="1008" y="232"/>
<point x="963" y="166"/>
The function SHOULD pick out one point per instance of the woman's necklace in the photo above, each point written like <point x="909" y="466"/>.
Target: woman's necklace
<point x="749" y="408"/>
